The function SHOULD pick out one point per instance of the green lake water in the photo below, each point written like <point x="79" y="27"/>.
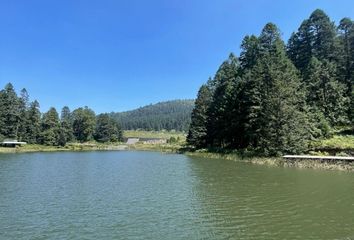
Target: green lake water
<point x="147" y="195"/>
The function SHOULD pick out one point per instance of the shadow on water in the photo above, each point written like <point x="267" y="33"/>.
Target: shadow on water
<point x="245" y="201"/>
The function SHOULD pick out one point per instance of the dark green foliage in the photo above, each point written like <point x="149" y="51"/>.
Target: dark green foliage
<point x="266" y="104"/>
<point x="218" y="112"/>
<point x="249" y="53"/>
<point x="170" y="115"/>
<point x="275" y="123"/>
<point x="107" y="129"/>
<point x="316" y="37"/>
<point x="84" y="122"/>
<point x="346" y="61"/>
<point x="325" y="93"/>
<point x="9" y="112"/>
<point x="67" y="124"/>
<point x="346" y="56"/>
<point x="325" y="60"/>
<point x="300" y="46"/>
<point x="34" y="119"/>
<point x="51" y="132"/>
<point x="198" y="130"/>
<point x="319" y="127"/>
<point x="21" y="120"/>
<point x="23" y="111"/>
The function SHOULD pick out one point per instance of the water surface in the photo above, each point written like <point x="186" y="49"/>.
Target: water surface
<point x="145" y="195"/>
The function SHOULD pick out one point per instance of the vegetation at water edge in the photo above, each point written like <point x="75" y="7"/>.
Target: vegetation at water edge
<point x="278" y="98"/>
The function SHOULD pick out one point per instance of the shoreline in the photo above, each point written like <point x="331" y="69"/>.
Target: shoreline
<point x="267" y="161"/>
<point x="74" y="147"/>
<point x="175" y="148"/>
<point x="278" y="161"/>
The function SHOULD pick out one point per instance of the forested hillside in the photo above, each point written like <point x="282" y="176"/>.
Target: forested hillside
<point x="276" y="98"/>
<point x="22" y="120"/>
<point x="170" y="115"/>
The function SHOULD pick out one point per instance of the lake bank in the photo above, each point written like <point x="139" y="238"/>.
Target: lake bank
<point x="176" y="148"/>
<point x="277" y="161"/>
<point x="73" y="147"/>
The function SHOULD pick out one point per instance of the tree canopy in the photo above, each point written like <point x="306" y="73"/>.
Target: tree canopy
<point x="275" y="98"/>
<point x="22" y="120"/>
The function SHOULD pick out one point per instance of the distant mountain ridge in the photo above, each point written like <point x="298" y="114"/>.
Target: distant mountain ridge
<point x="168" y="115"/>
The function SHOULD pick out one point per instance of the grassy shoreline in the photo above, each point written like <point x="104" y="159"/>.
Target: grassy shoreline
<point x="178" y="148"/>
<point x="72" y="147"/>
<point x="277" y="161"/>
<point x="233" y="156"/>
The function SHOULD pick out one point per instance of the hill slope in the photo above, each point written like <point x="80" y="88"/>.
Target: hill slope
<point x="170" y="115"/>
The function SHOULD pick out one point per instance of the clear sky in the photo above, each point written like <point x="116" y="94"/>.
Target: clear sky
<point x="114" y="55"/>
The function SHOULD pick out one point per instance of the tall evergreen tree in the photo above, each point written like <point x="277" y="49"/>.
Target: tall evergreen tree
<point x="346" y="38"/>
<point x="84" y="122"/>
<point x="107" y="129"/>
<point x="198" y="129"/>
<point x="272" y="100"/>
<point x="346" y="66"/>
<point x="325" y="93"/>
<point x="218" y="114"/>
<point x="300" y="46"/>
<point x="9" y="112"/>
<point x="280" y="123"/>
<point x="249" y="52"/>
<point x="67" y="123"/>
<point x="34" y="118"/>
<point x="316" y="37"/>
<point x="51" y="130"/>
<point x="23" y="111"/>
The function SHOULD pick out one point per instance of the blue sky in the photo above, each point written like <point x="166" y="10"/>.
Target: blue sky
<point x="116" y="55"/>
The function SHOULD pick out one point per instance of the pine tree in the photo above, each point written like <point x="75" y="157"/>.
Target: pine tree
<point x="218" y="115"/>
<point x="67" y="124"/>
<point x="326" y="93"/>
<point x="316" y="37"/>
<point x="84" y="122"/>
<point x="299" y="47"/>
<point x="249" y="52"/>
<point x="198" y="128"/>
<point x="50" y="128"/>
<point x="107" y="129"/>
<point x="23" y="111"/>
<point x="275" y="123"/>
<point x="34" y="118"/>
<point x="9" y="112"/>
<point x="346" y="65"/>
<point x="346" y="62"/>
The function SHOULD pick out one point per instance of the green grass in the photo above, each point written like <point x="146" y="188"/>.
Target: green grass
<point x="165" y="148"/>
<point x="173" y="147"/>
<point x="337" y="142"/>
<point x="274" y="161"/>
<point x="340" y="145"/>
<point x="154" y="134"/>
<point x="89" y="146"/>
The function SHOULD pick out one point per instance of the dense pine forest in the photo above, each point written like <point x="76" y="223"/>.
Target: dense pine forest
<point x="170" y="115"/>
<point x="276" y="98"/>
<point x="22" y="120"/>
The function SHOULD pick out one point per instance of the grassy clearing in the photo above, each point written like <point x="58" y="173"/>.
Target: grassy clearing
<point x="166" y="148"/>
<point x="336" y="142"/>
<point x="340" y="145"/>
<point x="154" y="134"/>
<point x="170" y="147"/>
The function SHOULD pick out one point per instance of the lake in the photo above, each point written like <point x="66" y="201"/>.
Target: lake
<point x="147" y="195"/>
